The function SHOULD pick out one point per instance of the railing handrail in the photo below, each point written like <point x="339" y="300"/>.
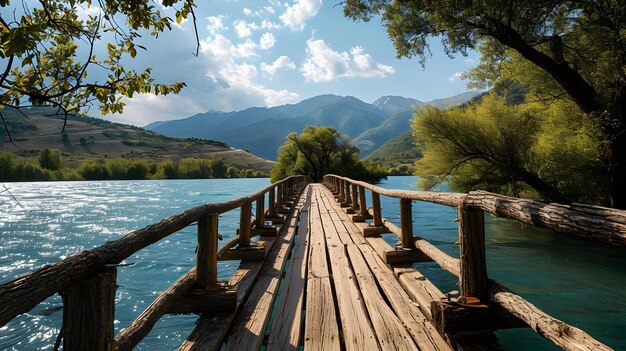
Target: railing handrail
<point x="470" y="267"/>
<point x="598" y="223"/>
<point x="24" y="292"/>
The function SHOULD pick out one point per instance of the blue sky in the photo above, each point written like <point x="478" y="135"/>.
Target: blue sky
<point x="267" y="53"/>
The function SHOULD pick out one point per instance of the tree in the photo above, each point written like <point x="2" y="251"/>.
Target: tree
<point x="48" y="52"/>
<point x="50" y="159"/>
<point x="580" y="45"/>
<point x="517" y="150"/>
<point x="319" y="151"/>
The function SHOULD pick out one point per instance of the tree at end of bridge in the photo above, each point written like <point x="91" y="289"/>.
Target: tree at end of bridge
<point x="580" y="46"/>
<point x="318" y="151"/>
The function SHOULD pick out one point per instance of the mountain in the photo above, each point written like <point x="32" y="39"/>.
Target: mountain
<point x="400" y="122"/>
<point x="393" y="105"/>
<point x="262" y="130"/>
<point x="399" y="150"/>
<point x="373" y="138"/>
<point x="93" y="138"/>
<point x="455" y="100"/>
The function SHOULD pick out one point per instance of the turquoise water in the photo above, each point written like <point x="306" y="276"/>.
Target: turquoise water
<point x="578" y="281"/>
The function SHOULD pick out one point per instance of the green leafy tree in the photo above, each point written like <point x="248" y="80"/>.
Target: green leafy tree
<point x="318" y="151"/>
<point x="579" y="45"/>
<point x="529" y="150"/>
<point x="50" y="159"/>
<point x="39" y="46"/>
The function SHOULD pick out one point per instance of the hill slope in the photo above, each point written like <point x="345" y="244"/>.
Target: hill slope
<point x="89" y="138"/>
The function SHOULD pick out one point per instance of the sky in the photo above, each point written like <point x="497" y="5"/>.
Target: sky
<point x="268" y="53"/>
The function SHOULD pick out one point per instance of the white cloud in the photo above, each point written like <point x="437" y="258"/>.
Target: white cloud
<point x="296" y="15"/>
<point x="265" y="24"/>
<point x="281" y="62"/>
<point x="323" y="64"/>
<point x="142" y="109"/>
<point x="456" y="76"/>
<point x="267" y="41"/>
<point x="243" y="28"/>
<point x="247" y="11"/>
<point x="216" y="24"/>
<point x="269" y="10"/>
<point x="236" y="78"/>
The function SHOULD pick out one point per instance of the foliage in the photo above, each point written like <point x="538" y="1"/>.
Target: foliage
<point x="50" y="159"/>
<point x="319" y="151"/>
<point x="402" y="170"/>
<point x="533" y="150"/>
<point x="577" y="48"/>
<point x="14" y="168"/>
<point x="49" y="50"/>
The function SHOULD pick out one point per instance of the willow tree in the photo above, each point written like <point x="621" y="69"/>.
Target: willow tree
<point x="318" y="151"/>
<point x="48" y="52"/>
<point x="580" y="45"/>
<point x="528" y="150"/>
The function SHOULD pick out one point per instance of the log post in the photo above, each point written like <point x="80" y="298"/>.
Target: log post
<point x="473" y="279"/>
<point x="378" y="227"/>
<point x="378" y="218"/>
<point x="406" y="223"/>
<point x="260" y="227"/>
<point x="280" y="199"/>
<point x="206" y="262"/>
<point x="342" y="191"/>
<point x="363" y="214"/>
<point x="355" y="199"/>
<point x="89" y="312"/>
<point x="347" y="200"/>
<point x="245" y="220"/>
<point x="272" y="205"/>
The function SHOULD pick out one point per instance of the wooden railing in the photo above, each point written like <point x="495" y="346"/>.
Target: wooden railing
<point x="477" y="292"/>
<point x="87" y="280"/>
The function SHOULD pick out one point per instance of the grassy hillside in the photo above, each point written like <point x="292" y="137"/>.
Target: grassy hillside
<point x="399" y="150"/>
<point x="91" y="138"/>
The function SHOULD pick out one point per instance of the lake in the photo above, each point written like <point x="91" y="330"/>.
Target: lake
<point x="578" y="281"/>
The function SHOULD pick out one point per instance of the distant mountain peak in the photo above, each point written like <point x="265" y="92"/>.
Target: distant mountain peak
<point x="393" y="104"/>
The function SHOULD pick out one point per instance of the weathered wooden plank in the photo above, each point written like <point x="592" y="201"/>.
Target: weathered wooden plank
<point x="420" y="328"/>
<point x="249" y="327"/>
<point x="358" y="333"/>
<point x="420" y="289"/>
<point x="285" y="333"/>
<point x="321" y="330"/>
<point x="357" y="330"/>
<point x="221" y="300"/>
<point x="391" y="333"/>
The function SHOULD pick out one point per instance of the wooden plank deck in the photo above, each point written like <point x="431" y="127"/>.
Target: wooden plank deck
<point x="336" y="291"/>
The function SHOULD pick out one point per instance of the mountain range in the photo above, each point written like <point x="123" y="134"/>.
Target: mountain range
<point x="261" y="130"/>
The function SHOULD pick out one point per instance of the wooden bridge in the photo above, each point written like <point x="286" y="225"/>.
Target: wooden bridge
<point x="320" y="276"/>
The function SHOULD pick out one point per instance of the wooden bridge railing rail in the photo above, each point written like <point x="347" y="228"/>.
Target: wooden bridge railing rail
<point x="87" y="282"/>
<point x="592" y="222"/>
